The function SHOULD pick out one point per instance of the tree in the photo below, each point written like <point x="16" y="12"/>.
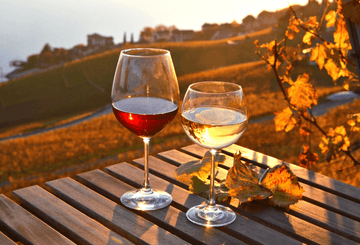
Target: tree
<point x="124" y="40"/>
<point x="45" y="49"/>
<point x="61" y="55"/>
<point x="146" y="34"/>
<point x="161" y="27"/>
<point x="132" y="38"/>
<point x="32" y="60"/>
<point x="47" y="57"/>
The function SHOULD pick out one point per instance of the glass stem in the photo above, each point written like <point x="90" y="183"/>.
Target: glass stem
<point x="212" y="178"/>
<point x="146" y="187"/>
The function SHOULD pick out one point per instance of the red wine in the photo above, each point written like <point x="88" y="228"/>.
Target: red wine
<point x="144" y="116"/>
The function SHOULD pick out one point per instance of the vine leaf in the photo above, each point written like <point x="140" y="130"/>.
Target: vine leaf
<point x="200" y="169"/>
<point x="308" y="37"/>
<point x="341" y="36"/>
<point x="335" y="141"/>
<point x="243" y="183"/>
<point x="332" y="69"/>
<point x="283" y="184"/>
<point x="330" y="18"/>
<point x="195" y="174"/>
<point x="318" y="54"/>
<point x="202" y="188"/>
<point x="355" y="119"/>
<point x="285" y="120"/>
<point x="278" y="184"/>
<point x="302" y="94"/>
<point x="307" y="157"/>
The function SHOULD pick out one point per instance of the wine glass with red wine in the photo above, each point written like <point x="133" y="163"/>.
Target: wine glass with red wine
<point x="145" y="98"/>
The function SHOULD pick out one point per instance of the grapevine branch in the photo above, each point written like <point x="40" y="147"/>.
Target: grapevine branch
<point x="312" y="120"/>
<point x="342" y="56"/>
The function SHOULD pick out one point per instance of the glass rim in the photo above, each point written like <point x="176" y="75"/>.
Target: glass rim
<point x="157" y="52"/>
<point x="239" y="88"/>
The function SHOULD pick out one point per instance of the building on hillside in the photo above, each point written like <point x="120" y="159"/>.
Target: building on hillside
<point x="208" y="26"/>
<point x="182" y="35"/>
<point x="77" y="52"/>
<point x="168" y="35"/>
<point x="161" y="36"/>
<point x="208" y="31"/>
<point x="228" y="30"/>
<point x="98" y="40"/>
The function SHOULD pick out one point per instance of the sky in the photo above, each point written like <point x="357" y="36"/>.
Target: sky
<point x="26" y="26"/>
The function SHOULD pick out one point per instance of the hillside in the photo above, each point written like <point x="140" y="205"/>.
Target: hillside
<point x="85" y="85"/>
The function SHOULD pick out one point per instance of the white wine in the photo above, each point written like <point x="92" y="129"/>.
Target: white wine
<point x="214" y="127"/>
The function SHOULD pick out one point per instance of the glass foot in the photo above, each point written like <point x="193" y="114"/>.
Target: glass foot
<point x="212" y="216"/>
<point x="146" y="200"/>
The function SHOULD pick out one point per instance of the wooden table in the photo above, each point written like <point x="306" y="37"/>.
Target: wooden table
<point x="88" y="211"/>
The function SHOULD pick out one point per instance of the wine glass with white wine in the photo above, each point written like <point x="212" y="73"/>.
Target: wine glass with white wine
<point x="145" y="98"/>
<point x="213" y="116"/>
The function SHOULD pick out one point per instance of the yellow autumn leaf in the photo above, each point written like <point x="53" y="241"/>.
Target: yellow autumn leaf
<point x="283" y="184"/>
<point x="341" y="137"/>
<point x="269" y="46"/>
<point x="271" y="60"/>
<point x="341" y="36"/>
<point x="290" y="34"/>
<point x="243" y="183"/>
<point x="285" y="120"/>
<point x="307" y="157"/>
<point x="199" y="168"/>
<point x="312" y="22"/>
<point x="352" y="122"/>
<point x="308" y="38"/>
<point x="302" y="94"/>
<point x="332" y="69"/>
<point x="340" y="130"/>
<point x="330" y="18"/>
<point x="318" y="54"/>
<point x="324" y="144"/>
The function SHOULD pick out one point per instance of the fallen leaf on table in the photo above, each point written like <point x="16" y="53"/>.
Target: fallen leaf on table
<point x="196" y="174"/>
<point x="243" y="183"/>
<point x="202" y="188"/>
<point x="283" y="184"/>
<point x="199" y="168"/>
<point x="278" y="184"/>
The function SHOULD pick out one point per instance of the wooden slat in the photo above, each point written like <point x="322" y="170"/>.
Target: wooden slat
<point x="332" y="202"/>
<point x="69" y="221"/>
<point x="315" y="179"/>
<point x="250" y="231"/>
<point x="170" y="218"/>
<point x="26" y="227"/>
<point x="351" y="226"/>
<point x="4" y="240"/>
<point x="107" y="212"/>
